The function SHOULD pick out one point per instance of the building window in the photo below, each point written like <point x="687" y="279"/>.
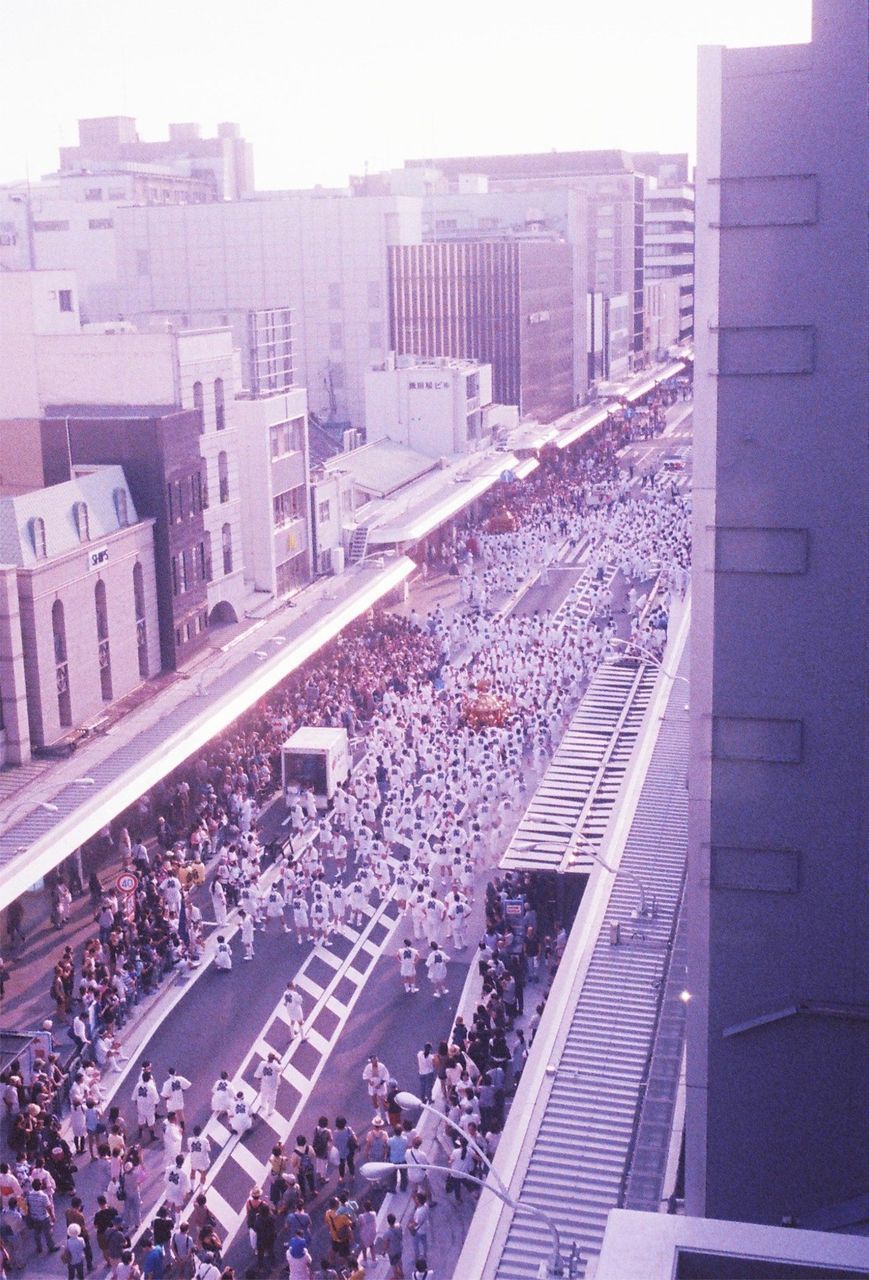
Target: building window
<point x="288" y="506"/>
<point x="93" y="193"/>
<point x="100" y="224"/>
<point x="64" y="299"/>
<point x="287" y="437"/>
<point x="37" y="534"/>
<point x="176" y="582"/>
<point x="209" y="573"/>
<point x="141" y="625"/>
<point x="198" y="504"/>
<point x="61" y="666"/>
<point x="182" y="572"/>
<point x="121" y="508"/>
<point x="82" y="521"/>
<point x="324" y="511"/>
<point x="103" y="650"/>
<point x="226" y="538"/>
<point x="219" y="404"/>
<point x="199" y="403"/>
<point x="223" y="476"/>
<point x="51" y="226"/>
<point x="290" y="574"/>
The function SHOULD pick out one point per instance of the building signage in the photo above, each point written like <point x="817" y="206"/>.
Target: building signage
<point x="97" y="557"/>
<point x="427" y="386"/>
<point x="538" y="317"/>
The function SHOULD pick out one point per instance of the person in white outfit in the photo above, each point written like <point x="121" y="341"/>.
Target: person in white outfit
<point x="240" y="1119"/>
<point x="436" y="964"/>
<point x="223" y="954"/>
<point x="221" y="1095"/>
<point x="218" y="900"/>
<point x="295" y="1009"/>
<point x="146" y="1097"/>
<point x="199" y="1153"/>
<point x="408" y="959"/>
<point x="173" y="1094"/>
<point x="247" y="931"/>
<point x="176" y="1184"/>
<point x="269" y="1075"/>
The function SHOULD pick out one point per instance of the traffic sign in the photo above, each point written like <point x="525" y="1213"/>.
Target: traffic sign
<point x="507" y="477"/>
<point x="127" y="882"/>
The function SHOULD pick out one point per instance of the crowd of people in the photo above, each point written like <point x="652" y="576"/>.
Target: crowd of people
<point x="421" y="819"/>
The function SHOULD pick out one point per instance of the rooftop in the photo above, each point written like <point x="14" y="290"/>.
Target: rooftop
<point x="55" y="506"/>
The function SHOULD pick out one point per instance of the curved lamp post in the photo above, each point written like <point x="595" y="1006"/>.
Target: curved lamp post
<point x="411" y="1102"/>
<point x="374" y="1170"/>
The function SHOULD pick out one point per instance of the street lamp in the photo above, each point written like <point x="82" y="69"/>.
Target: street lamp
<point x="634" y="650"/>
<point x="645" y="909"/>
<point x="409" y="1101"/>
<point x="374" y="1170"/>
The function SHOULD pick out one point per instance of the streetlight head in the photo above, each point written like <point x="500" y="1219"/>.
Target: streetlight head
<point x="406" y="1099"/>
<point x="684" y="996"/>
<point x="373" y="1170"/>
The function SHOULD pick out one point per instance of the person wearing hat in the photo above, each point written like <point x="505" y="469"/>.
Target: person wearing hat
<point x="74" y="1252"/>
<point x="376" y="1140"/>
<point x="299" y="1261"/>
<point x="251" y="1209"/>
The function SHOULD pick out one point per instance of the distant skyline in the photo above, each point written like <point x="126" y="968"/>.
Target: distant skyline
<point x="323" y="91"/>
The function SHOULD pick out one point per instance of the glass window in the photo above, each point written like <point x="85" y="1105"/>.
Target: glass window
<point x="121" y="507"/>
<point x="226" y="539"/>
<point x="324" y="510"/>
<point x="37" y="534"/>
<point x="64" y="299"/>
<point x="219" y="404"/>
<point x="82" y="521"/>
<point x="223" y="476"/>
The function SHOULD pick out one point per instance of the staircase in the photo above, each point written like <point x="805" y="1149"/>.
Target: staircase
<point x="358" y="544"/>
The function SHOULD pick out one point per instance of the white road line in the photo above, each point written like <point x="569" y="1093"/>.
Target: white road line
<point x="323" y="953"/>
<point x="318" y="1041"/>
<point x="307" y="984"/>
<point x="294" y="1076"/>
<point x="249" y="1163"/>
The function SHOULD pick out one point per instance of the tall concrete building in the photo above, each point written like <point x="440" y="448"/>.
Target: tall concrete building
<point x="778" y="1035"/>
<point x="508" y="303"/>
<point x="613" y="190"/>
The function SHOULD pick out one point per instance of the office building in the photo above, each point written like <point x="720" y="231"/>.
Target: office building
<point x="508" y="303"/>
<point x="79" y="626"/>
<point x="438" y="407"/>
<point x="777" y="1126"/>
<point x="221" y="166"/>
<point x="613" y="223"/>
<point x="669" y="244"/>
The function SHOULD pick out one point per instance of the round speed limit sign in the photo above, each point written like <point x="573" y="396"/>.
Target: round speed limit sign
<point x="127" y="882"/>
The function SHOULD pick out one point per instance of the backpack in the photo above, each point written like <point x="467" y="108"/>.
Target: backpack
<point x="321" y="1143"/>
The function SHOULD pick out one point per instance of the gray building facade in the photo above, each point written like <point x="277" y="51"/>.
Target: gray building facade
<point x="778" y="1037"/>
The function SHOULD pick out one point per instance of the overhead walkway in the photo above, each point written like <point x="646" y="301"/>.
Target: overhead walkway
<point x="592" y="1113"/>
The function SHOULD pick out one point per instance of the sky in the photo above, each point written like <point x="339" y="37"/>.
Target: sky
<point x="324" y="89"/>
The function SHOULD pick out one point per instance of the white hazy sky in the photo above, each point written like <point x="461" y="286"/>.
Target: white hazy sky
<point x="321" y="88"/>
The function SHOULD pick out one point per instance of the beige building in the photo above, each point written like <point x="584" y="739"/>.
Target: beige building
<point x="79" y="629"/>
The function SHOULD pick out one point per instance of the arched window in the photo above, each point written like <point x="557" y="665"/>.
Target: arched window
<point x="227" y="548"/>
<point x="103" y="650"/>
<point x="223" y="476"/>
<point x="82" y="521"/>
<point x="199" y="403"/>
<point x="141" y="626"/>
<point x="121" y="507"/>
<point x="37" y="534"/>
<point x="61" y="667"/>
<point x="219" y="404"/>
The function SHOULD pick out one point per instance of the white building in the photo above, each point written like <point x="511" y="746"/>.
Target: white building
<point x="79" y="627"/>
<point x="323" y="256"/>
<point x="273" y="439"/>
<point x="668" y="233"/>
<point x="437" y="407"/>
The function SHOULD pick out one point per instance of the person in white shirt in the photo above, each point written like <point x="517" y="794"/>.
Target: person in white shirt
<point x="376" y="1077"/>
<point x="269" y="1075"/>
<point x="221" y="1094"/>
<point x="240" y="1119"/>
<point x="199" y="1153"/>
<point x="173" y="1094"/>
<point x="408" y="959"/>
<point x="176" y="1184"/>
<point x="436" y="964"/>
<point x="146" y="1098"/>
<point x="223" y="954"/>
<point x="295" y="1010"/>
<point x="247" y="931"/>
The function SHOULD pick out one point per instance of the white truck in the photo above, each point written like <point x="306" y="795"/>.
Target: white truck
<point x="315" y="758"/>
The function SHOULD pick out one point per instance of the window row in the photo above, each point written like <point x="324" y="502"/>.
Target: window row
<point x="194" y="626"/>
<point x="288" y="506"/>
<point x="190" y="566"/>
<point x="287" y="437"/>
<point x="186" y="497"/>
<point x="104" y="652"/>
<point x="219" y="404"/>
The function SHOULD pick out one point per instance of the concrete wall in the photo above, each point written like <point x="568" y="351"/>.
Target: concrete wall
<point x="14" y="728"/>
<point x="778" y="1041"/>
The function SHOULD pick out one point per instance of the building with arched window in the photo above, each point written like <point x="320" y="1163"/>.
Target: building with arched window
<point x="78" y="607"/>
